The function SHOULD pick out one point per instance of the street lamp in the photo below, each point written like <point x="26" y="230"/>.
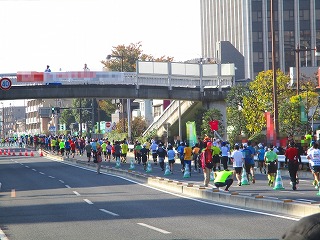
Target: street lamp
<point x="298" y="50"/>
<point x="122" y="100"/>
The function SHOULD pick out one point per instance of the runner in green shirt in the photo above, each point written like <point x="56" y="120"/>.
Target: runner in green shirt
<point x="271" y="159"/>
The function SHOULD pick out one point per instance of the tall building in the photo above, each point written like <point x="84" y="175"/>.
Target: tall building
<point x="245" y="25"/>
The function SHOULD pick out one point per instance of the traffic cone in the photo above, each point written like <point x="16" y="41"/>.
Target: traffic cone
<point x="31" y="154"/>
<point x="132" y="167"/>
<point x="149" y="167"/>
<point x="212" y="176"/>
<point x="26" y="153"/>
<point x="278" y="184"/>
<point x="20" y="153"/>
<point x="186" y="173"/>
<point x="167" y="171"/>
<point x="4" y="152"/>
<point x="244" y="178"/>
<point x="118" y="163"/>
<point x="13" y="152"/>
<point x="9" y="153"/>
<point x="0" y="152"/>
<point x="41" y="153"/>
<point x="318" y="191"/>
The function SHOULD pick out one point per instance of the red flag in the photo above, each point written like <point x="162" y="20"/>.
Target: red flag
<point x="214" y="125"/>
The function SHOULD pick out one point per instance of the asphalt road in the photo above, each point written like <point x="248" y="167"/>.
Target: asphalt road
<point x="306" y="192"/>
<point x="45" y="199"/>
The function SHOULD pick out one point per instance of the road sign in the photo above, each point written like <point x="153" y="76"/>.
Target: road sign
<point x="52" y="128"/>
<point x="5" y="83"/>
<point x="108" y="124"/>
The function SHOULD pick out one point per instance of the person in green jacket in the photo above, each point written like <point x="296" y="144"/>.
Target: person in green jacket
<point x="223" y="178"/>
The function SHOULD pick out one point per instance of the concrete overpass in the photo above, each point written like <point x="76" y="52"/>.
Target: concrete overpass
<point x="153" y="80"/>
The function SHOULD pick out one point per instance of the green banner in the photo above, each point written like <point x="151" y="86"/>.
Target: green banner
<point x="191" y="133"/>
<point x="303" y="115"/>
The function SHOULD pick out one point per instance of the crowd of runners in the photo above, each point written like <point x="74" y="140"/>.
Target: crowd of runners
<point x="207" y="156"/>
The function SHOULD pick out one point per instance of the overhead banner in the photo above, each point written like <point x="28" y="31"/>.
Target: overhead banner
<point x="191" y="133"/>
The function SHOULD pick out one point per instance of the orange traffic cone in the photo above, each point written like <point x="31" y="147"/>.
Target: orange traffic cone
<point x="13" y="152"/>
<point x="0" y="152"/>
<point x="26" y="153"/>
<point x="20" y="153"/>
<point x="31" y="154"/>
<point x="4" y="152"/>
<point x="41" y="153"/>
<point x="9" y="153"/>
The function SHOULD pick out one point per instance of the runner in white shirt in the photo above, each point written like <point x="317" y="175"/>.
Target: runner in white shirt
<point x="237" y="162"/>
<point x="314" y="160"/>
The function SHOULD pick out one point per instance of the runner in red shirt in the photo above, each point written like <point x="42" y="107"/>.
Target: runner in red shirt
<point x="73" y="148"/>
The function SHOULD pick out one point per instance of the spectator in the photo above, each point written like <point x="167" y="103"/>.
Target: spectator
<point x="47" y="69"/>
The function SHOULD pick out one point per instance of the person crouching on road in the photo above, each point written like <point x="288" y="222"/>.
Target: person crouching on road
<point x="237" y="162"/>
<point x="271" y="159"/>
<point x="206" y="163"/>
<point x="98" y="159"/>
<point x="223" y="178"/>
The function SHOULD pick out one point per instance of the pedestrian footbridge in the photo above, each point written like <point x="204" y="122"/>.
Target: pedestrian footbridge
<point x="152" y="80"/>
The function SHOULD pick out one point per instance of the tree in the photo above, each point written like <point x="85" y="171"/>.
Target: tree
<point x="235" y="116"/>
<point x="139" y="125"/>
<point x="128" y="55"/>
<point x="261" y="98"/>
<point x="67" y="117"/>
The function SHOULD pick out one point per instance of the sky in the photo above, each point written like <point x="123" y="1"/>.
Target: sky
<point x="65" y="34"/>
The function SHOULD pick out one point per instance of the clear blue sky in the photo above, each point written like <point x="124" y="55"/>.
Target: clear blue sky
<point x="68" y="33"/>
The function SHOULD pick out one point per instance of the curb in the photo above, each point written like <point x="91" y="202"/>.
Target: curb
<point x="252" y="201"/>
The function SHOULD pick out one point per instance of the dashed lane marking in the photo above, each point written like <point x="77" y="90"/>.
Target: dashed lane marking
<point x="108" y="212"/>
<point x="51" y="177"/>
<point x="88" y="201"/>
<point x="34" y="170"/>
<point x="154" y="228"/>
<point x="76" y="193"/>
<point x="27" y="166"/>
<point x="42" y="173"/>
<point x="67" y="186"/>
<point x="61" y="181"/>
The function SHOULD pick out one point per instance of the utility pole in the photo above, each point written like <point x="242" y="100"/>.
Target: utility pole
<point x="274" y="75"/>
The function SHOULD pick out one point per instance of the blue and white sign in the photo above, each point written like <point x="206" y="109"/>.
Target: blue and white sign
<point x="52" y="128"/>
<point x="5" y="83"/>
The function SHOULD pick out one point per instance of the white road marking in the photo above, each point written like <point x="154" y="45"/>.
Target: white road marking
<point x="185" y="197"/>
<point x="154" y="228"/>
<point x="305" y="201"/>
<point x="51" y="177"/>
<point x="3" y="236"/>
<point x="111" y="213"/>
<point x="34" y="170"/>
<point x="294" y="192"/>
<point x="42" y="173"/>
<point x="61" y="181"/>
<point x="27" y="166"/>
<point x="76" y="193"/>
<point x="21" y="164"/>
<point x="88" y="201"/>
<point x="67" y="186"/>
